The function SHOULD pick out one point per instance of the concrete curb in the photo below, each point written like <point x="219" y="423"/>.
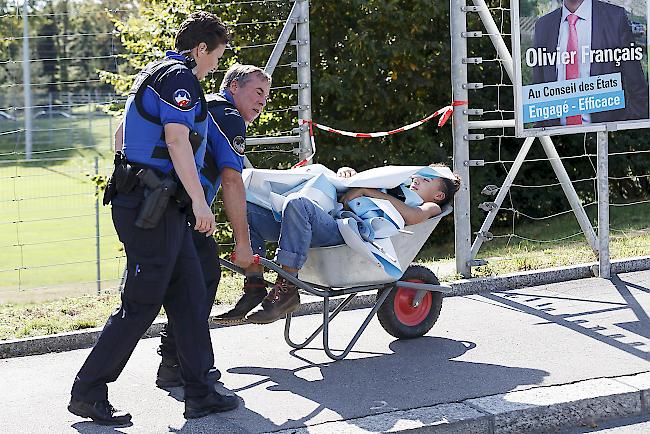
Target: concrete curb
<point x="540" y="409"/>
<point x="546" y="276"/>
<point x="86" y="338"/>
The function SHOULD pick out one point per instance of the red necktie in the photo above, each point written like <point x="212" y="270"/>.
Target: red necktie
<point x="572" y="69"/>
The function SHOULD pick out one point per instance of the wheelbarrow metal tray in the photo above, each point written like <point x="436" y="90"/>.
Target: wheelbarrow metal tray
<point x="342" y="267"/>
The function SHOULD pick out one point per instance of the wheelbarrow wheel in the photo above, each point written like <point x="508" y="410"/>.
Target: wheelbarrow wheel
<point x="398" y="316"/>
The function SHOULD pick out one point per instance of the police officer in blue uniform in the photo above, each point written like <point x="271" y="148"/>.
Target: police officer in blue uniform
<point x="241" y="99"/>
<point x="164" y="130"/>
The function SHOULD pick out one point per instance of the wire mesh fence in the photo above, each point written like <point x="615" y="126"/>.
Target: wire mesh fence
<point x="533" y="202"/>
<point x="55" y="237"/>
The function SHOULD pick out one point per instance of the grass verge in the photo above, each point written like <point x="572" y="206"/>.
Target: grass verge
<point x="74" y="313"/>
<point x="22" y="320"/>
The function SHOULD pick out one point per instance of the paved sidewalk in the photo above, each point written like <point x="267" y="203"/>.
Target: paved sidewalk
<point x="534" y="359"/>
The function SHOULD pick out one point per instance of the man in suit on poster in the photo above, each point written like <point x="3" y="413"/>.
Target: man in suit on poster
<point x="592" y="27"/>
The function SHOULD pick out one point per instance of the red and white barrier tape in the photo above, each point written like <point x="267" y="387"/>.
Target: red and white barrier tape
<point x="444" y="113"/>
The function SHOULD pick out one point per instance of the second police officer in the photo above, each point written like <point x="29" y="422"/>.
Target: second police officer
<point x="164" y="129"/>
<point x="242" y="97"/>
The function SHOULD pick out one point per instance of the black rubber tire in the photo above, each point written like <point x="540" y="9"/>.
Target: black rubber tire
<point x="389" y="319"/>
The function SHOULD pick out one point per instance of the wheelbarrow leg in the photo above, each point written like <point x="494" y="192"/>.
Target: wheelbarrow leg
<point x="357" y="335"/>
<point x="326" y="318"/>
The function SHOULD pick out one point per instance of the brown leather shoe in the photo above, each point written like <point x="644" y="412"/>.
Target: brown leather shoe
<point x="282" y="299"/>
<point x="254" y="293"/>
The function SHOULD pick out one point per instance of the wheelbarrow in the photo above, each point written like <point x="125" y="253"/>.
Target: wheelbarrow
<point x="407" y="308"/>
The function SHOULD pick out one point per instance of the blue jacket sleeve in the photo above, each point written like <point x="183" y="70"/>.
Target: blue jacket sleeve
<point x="226" y="138"/>
<point x="179" y="96"/>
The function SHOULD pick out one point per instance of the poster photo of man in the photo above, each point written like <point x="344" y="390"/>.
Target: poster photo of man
<point x="583" y="64"/>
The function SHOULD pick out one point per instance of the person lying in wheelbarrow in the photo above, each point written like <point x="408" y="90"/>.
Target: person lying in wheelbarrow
<point x="305" y="224"/>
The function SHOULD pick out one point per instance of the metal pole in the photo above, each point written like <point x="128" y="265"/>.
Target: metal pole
<point x="27" y="85"/>
<point x="272" y="140"/>
<point x="304" y="77"/>
<point x="111" y="136"/>
<point x="97" y="249"/>
<point x="90" y="120"/>
<point x="463" y="230"/>
<point x="274" y="58"/>
<point x="70" y="129"/>
<point x="496" y="123"/>
<point x="512" y="174"/>
<point x="51" y="140"/>
<point x="495" y="36"/>
<point x="604" y="265"/>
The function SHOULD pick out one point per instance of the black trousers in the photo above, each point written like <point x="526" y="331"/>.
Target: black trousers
<point x="208" y="252"/>
<point x="163" y="269"/>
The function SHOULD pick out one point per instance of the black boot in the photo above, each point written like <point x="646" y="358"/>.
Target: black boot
<point x="214" y="375"/>
<point x="169" y="375"/>
<point x="282" y="299"/>
<point x="211" y="403"/>
<point x="254" y="293"/>
<point x="101" y="412"/>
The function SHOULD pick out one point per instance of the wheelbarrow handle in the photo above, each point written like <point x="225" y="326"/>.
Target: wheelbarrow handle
<point x="256" y="258"/>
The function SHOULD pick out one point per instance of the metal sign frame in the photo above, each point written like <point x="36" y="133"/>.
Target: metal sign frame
<point x="520" y="131"/>
<point x="466" y="250"/>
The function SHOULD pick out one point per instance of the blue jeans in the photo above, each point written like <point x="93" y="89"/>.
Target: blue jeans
<point x="303" y="225"/>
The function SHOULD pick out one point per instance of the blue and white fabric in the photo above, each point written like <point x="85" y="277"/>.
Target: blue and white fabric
<point x="370" y="222"/>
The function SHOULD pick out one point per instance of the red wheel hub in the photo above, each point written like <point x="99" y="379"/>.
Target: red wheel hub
<point x="404" y="310"/>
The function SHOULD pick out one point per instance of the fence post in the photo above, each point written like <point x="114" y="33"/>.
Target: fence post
<point x="463" y="230"/>
<point x="97" y="238"/>
<point x="49" y="117"/>
<point x="70" y="122"/>
<point x="27" y="87"/>
<point x="90" y="120"/>
<point x="304" y="77"/>
<point x="111" y="144"/>
<point x="604" y="265"/>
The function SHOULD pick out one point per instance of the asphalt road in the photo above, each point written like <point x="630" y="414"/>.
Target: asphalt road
<point x="482" y="345"/>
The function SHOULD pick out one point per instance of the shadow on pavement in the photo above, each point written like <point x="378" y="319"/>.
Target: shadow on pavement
<point x="420" y="372"/>
<point x="575" y="321"/>
<point x="640" y="327"/>
<point x="88" y="427"/>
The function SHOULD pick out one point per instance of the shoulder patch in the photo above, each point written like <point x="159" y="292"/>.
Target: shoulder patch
<point x="231" y="111"/>
<point x="239" y="144"/>
<point x="182" y="98"/>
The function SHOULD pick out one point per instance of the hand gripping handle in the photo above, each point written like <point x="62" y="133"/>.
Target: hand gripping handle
<point x="256" y="258"/>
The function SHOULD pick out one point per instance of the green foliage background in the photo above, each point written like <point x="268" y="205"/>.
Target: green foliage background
<point x="378" y="65"/>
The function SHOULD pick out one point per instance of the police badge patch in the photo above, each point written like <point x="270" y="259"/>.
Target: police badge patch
<point x="182" y="98"/>
<point x="239" y="144"/>
<point x="231" y="111"/>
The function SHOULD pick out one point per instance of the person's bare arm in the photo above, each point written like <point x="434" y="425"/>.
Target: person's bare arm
<point x="346" y="172"/>
<point x="234" y="201"/>
<point x="411" y="215"/>
<point x="177" y="137"/>
<point x="119" y="137"/>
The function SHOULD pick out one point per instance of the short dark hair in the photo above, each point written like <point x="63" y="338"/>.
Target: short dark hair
<point x="202" y="27"/>
<point x="449" y="186"/>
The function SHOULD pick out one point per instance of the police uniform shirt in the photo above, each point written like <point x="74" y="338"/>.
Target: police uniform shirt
<point x="226" y="144"/>
<point x="174" y="96"/>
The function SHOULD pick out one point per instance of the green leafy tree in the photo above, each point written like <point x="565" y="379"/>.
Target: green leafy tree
<point x="47" y="48"/>
<point x="377" y="65"/>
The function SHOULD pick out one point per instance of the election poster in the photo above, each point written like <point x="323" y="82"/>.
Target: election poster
<point x="580" y="65"/>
